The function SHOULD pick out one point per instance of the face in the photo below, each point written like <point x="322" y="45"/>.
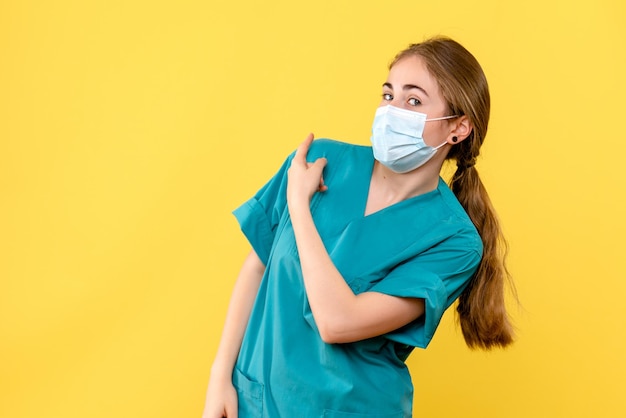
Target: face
<point x="410" y="86"/>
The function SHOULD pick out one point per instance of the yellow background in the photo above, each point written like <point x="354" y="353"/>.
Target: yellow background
<point x="130" y="129"/>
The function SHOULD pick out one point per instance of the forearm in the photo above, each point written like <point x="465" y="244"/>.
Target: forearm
<point x="240" y="306"/>
<point x="332" y="301"/>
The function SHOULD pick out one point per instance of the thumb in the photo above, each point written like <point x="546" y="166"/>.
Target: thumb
<point x="232" y="412"/>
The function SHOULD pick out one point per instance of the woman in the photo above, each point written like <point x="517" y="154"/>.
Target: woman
<point x="358" y="251"/>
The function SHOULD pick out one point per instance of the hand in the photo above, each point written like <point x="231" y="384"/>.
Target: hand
<point x="304" y="179"/>
<point x="221" y="400"/>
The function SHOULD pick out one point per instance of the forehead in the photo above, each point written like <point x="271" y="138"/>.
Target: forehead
<point x="411" y="70"/>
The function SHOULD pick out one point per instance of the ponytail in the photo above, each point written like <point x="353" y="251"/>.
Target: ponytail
<point x="482" y="313"/>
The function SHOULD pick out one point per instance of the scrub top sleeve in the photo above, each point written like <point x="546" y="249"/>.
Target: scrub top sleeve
<point x="259" y="217"/>
<point x="437" y="276"/>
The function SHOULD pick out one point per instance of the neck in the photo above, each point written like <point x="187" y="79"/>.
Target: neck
<point x="388" y="187"/>
<point x="407" y="185"/>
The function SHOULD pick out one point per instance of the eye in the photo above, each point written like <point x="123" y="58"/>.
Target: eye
<point x="387" y="97"/>
<point x="414" y="102"/>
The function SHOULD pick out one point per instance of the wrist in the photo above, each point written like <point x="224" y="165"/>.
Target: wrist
<point x="221" y="371"/>
<point x="299" y="207"/>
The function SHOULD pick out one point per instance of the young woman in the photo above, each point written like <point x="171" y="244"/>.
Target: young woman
<point x="358" y="251"/>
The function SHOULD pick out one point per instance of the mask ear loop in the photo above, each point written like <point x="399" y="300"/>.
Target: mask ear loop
<point x="454" y="138"/>
<point x="442" y="118"/>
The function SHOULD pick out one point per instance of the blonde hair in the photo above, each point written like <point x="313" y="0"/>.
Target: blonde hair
<point x="481" y="308"/>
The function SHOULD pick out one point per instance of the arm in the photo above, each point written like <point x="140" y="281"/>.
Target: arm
<point x="221" y="398"/>
<point x="340" y="315"/>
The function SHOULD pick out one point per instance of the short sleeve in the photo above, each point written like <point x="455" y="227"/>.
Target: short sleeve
<point x="259" y="216"/>
<point x="438" y="276"/>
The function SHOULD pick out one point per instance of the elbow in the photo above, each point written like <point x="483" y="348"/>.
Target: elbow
<point x="328" y="337"/>
<point x="330" y="333"/>
<point x="340" y="326"/>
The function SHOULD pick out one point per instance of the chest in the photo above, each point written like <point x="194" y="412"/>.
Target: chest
<point x="363" y="248"/>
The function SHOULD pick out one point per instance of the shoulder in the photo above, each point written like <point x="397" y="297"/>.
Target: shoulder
<point x="450" y="201"/>
<point x="325" y="147"/>
<point x="462" y="230"/>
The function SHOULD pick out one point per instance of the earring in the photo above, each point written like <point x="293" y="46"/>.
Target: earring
<point x="454" y="139"/>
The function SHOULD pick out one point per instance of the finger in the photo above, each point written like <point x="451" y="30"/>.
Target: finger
<point x="323" y="186"/>
<point x="303" y="149"/>
<point x="320" y="163"/>
<point x="318" y="167"/>
<point x="232" y="412"/>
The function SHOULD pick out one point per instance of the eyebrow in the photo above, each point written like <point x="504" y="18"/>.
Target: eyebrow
<point x="407" y="87"/>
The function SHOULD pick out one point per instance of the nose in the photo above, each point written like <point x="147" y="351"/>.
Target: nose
<point x="398" y="102"/>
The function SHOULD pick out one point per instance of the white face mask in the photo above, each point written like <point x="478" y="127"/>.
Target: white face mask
<point x="397" y="138"/>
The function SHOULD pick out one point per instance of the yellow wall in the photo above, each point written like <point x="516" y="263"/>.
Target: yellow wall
<point x="130" y="129"/>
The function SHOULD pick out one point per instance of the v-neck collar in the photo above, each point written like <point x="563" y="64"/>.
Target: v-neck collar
<point x="369" y="168"/>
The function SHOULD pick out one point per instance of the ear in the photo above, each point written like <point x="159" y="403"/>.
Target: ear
<point x="461" y="129"/>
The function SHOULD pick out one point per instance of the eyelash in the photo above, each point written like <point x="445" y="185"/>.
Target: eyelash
<point x="416" y="100"/>
<point x="388" y="97"/>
